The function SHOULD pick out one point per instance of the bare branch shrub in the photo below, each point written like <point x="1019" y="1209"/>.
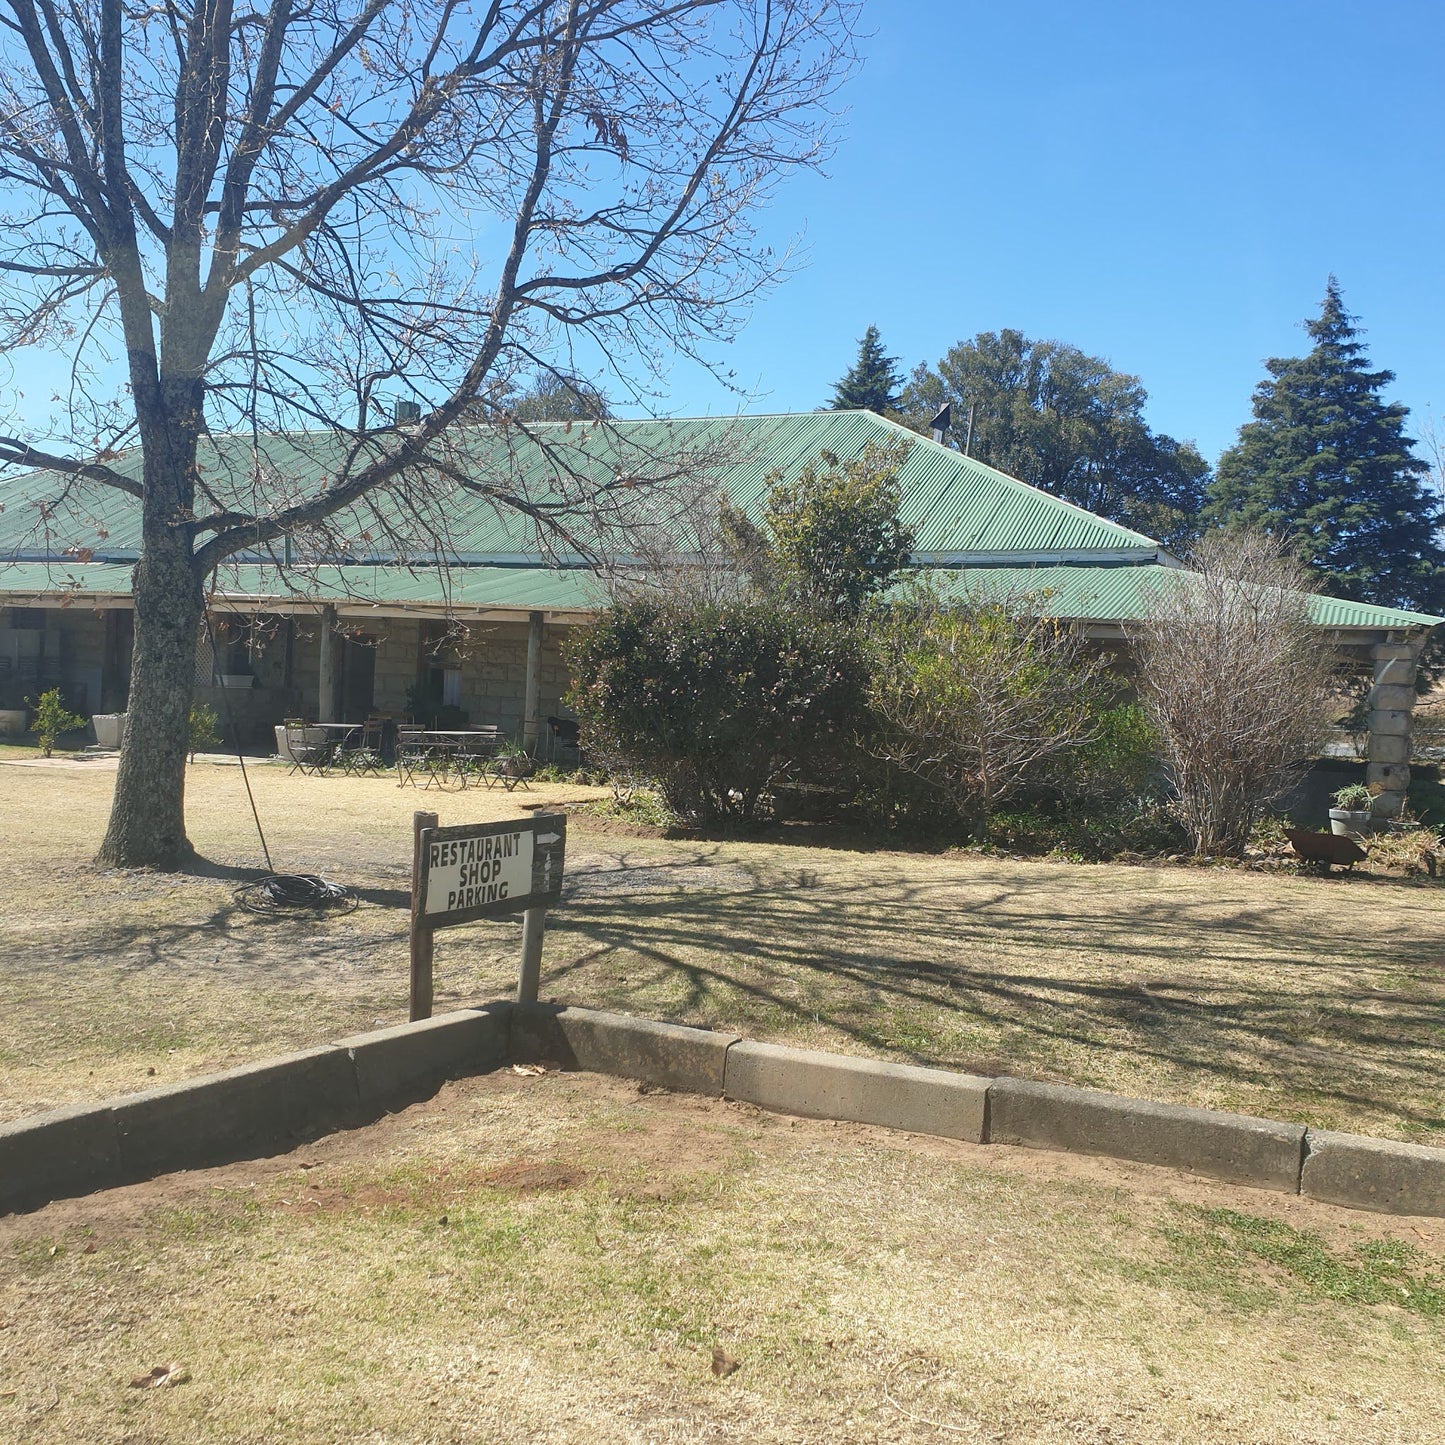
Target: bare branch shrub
<point x="1236" y="679"/>
<point x="973" y="698"/>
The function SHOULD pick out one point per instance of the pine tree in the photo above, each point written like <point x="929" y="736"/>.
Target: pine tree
<point x="1326" y="463"/>
<point x="872" y="382"/>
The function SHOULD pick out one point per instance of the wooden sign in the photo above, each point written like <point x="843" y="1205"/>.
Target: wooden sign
<point x="481" y="870"/>
<point x="478" y="870"/>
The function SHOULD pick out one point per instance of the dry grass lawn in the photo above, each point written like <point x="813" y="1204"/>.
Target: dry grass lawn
<point x="1295" y="997"/>
<point x="556" y="1260"/>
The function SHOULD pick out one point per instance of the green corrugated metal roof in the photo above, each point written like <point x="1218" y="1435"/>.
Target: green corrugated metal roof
<point x="542" y="589"/>
<point x="1122" y="594"/>
<point x="959" y="508"/>
<point x="1101" y="594"/>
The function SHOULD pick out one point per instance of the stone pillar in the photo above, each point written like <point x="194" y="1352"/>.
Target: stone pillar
<point x="1389" y="706"/>
<point x="532" y="705"/>
<point x="326" y="680"/>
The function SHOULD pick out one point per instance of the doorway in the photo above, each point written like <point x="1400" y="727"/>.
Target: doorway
<point x="357" y="683"/>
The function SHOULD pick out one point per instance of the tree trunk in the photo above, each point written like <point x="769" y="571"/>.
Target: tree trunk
<point x="147" y="816"/>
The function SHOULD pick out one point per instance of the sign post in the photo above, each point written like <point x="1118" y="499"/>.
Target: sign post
<point x="482" y="870"/>
<point x="421" y="935"/>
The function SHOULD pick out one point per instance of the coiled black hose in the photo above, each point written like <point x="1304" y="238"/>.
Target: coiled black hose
<point x="295" y="893"/>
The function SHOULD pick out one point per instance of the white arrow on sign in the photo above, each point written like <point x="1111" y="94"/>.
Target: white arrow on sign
<point x="549" y="838"/>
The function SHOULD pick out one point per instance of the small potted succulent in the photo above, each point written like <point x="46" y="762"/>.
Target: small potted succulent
<point x="1353" y="813"/>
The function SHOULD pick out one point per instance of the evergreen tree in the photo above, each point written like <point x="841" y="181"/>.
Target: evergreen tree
<point x="1067" y="422"/>
<point x="555" y="397"/>
<point x="1326" y="463"/>
<point x="872" y="382"/>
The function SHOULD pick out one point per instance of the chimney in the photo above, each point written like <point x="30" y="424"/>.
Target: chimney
<point x="940" y="422"/>
<point x="404" y="412"/>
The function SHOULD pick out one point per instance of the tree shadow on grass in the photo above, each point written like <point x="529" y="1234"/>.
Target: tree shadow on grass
<point x="1199" y="990"/>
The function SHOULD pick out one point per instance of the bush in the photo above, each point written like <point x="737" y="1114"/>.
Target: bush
<point x="53" y="718"/>
<point x="203" y="729"/>
<point x="717" y="702"/>
<point x="1236" y="679"/>
<point x="1093" y="832"/>
<point x="1119" y="762"/>
<point x="973" y="702"/>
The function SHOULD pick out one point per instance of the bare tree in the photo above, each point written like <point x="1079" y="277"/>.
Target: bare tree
<point x="1236" y="679"/>
<point x="245" y="224"/>
<point x="975" y="696"/>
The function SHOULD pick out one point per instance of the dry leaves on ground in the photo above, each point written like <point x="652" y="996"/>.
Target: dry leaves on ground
<point x="161" y="1376"/>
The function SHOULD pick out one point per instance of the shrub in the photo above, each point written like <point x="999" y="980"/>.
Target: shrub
<point x="203" y="729"/>
<point x="834" y="541"/>
<point x="1120" y="760"/>
<point x="52" y="718"/>
<point x="973" y="701"/>
<point x="1235" y="677"/>
<point x="717" y="702"/>
<point x="1096" y="831"/>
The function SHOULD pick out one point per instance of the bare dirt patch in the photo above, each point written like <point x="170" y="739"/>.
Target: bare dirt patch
<point x="870" y="1286"/>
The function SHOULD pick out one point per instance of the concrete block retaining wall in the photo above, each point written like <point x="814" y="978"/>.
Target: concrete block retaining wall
<point x="267" y="1107"/>
<point x="243" y="1113"/>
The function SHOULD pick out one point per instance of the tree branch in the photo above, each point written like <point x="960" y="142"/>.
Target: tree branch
<point x="14" y="452"/>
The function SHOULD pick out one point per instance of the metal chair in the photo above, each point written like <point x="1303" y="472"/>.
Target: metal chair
<point x="511" y="770"/>
<point x="365" y="756"/>
<point x="475" y="754"/>
<point x="411" y="754"/>
<point x="433" y="760"/>
<point x="309" y="747"/>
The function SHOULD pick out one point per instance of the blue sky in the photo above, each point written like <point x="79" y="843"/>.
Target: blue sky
<point x="1164" y="185"/>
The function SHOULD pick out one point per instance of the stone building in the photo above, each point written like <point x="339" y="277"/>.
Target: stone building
<point x="470" y="610"/>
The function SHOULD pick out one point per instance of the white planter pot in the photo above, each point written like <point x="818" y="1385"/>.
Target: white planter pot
<point x="13" y="720"/>
<point x="109" y="729"/>
<point x="1347" y="824"/>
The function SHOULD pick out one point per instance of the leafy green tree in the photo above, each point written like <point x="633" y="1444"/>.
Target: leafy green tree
<point x="203" y="734"/>
<point x="1066" y="422"/>
<point x="560" y="398"/>
<point x="1326" y="465"/>
<point x="52" y="718"/>
<point x="836" y="539"/>
<point x="831" y="540"/>
<point x="872" y="382"/>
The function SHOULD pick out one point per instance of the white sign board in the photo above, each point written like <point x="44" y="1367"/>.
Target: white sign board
<point x="478" y="870"/>
<point x="465" y="873"/>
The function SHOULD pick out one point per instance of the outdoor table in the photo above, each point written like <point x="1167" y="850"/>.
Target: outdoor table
<point x="450" y="750"/>
<point x="341" y="729"/>
<point x="344" y="742"/>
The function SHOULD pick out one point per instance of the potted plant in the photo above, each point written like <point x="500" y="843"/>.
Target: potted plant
<point x="1353" y="811"/>
<point x="513" y="763"/>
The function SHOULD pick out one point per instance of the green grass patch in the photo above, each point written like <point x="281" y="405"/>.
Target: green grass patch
<point x="1221" y="1251"/>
